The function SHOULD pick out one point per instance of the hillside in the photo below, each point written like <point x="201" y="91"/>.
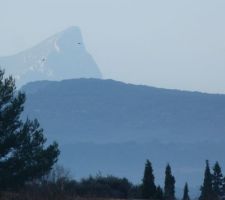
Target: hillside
<point x="115" y="126"/>
<point x="106" y="111"/>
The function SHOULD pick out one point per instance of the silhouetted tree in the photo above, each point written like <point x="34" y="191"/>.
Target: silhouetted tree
<point x="23" y="153"/>
<point x="207" y="192"/>
<point x="135" y="192"/>
<point x="159" y="193"/>
<point x="148" y="182"/>
<point x="217" y="180"/>
<point x="186" y="193"/>
<point x="169" y="188"/>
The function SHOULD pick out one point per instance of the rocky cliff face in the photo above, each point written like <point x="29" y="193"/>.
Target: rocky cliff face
<point x="62" y="56"/>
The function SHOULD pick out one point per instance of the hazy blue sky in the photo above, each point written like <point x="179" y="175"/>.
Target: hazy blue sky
<point x="170" y="43"/>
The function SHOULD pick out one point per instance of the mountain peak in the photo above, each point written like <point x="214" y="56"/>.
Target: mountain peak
<point x="72" y="29"/>
<point x="70" y="39"/>
<point x="72" y="33"/>
<point x="61" y="56"/>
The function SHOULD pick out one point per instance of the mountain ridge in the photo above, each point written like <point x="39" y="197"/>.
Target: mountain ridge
<point x="141" y="107"/>
<point x="112" y="125"/>
<point x="126" y="83"/>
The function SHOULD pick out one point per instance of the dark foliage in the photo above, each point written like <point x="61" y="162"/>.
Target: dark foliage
<point x="148" y="182"/>
<point x="217" y="181"/>
<point x="109" y="186"/>
<point x="186" y="193"/>
<point x="207" y="192"/>
<point x="169" y="187"/>
<point x="23" y="154"/>
<point x="159" y="193"/>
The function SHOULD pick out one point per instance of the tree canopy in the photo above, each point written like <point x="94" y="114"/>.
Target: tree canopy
<point x="148" y="182"/>
<point x="207" y="192"/>
<point x="186" y="193"/>
<point x="217" y="180"/>
<point x="169" y="188"/>
<point x="24" y="154"/>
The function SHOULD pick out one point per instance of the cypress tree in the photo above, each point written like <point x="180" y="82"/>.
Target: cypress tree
<point x="148" y="182"/>
<point x="207" y="192"/>
<point x="169" y="188"/>
<point x="217" y="180"/>
<point x="23" y="153"/>
<point x="186" y="193"/>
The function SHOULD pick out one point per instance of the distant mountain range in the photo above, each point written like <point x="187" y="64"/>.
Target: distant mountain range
<point x="113" y="127"/>
<point x="62" y="56"/>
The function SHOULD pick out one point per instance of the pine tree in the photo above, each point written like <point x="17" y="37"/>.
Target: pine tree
<point x="23" y="153"/>
<point x="159" y="193"/>
<point x="207" y="192"/>
<point x="169" y="188"/>
<point x="217" y="180"/>
<point x="186" y="193"/>
<point x="148" y="184"/>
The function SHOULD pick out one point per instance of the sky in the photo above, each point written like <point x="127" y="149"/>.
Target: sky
<point x="177" y="44"/>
